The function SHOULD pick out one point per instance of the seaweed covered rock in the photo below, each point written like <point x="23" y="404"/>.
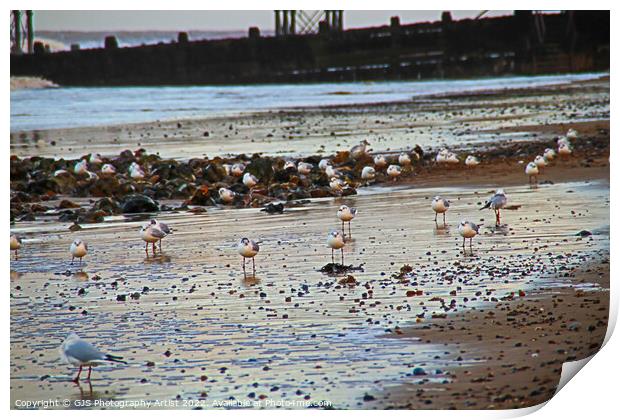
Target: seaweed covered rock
<point x="139" y="203"/>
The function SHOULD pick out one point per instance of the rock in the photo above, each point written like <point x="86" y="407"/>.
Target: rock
<point x="584" y="233"/>
<point x="67" y="204"/>
<point x="274" y="208"/>
<point x="138" y="203"/>
<point x="419" y="371"/>
<point x="108" y="205"/>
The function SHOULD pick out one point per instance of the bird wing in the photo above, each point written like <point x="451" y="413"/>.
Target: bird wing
<point x="82" y="351"/>
<point x="446" y="203"/>
<point x="157" y="233"/>
<point x="255" y="246"/>
<point x="165" y="228"/>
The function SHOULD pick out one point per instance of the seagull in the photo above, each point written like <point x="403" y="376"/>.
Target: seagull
<point x="78" y="249"/>
<point x="380" y="161"/>
<point x="335" y="240"/>
<point x="571" y="134"/>
<point x="136" y="171"/>
<point x="226" y="167"/>
<point x="404" y="159"/>
<point x="563" y="140"/>
<point x="237" y="169"/>
<point x="468" y="230"/>
<point x="108" y="168"/>
<point x="496" y="203"/>
<point x="289" y="165"/>
<point x="323" y="164"/>
<point x="304" y="168"/>
<point x="337" y="184"/>
<point x="164" y="228"/>
<point x="440" y="205"/>
<point x="393" y="171"/>
<point x="471" y="161"/>
<point x="151" y="234"/>
<point x="247" y="248"/>
<point x="346" y="214"/>
<point x="16" y="243"/>
<point x="549" y="154"/>
<point x="331" y="172"/>
<point x="249" y="180"/>
<point x="81" y="167"/>
<point x="359" y="150"/>
<point x="540" y="162"/>
<point x="368" y="173"/>
<point x="452" y="158"/>
<point x="226" y="195"/>
<point x="565" y="150"/>
<point x="531" y="170"/>
<point x="80" y="353"/>
<point x="95" y="158"/>
<point x="442" y="156"/>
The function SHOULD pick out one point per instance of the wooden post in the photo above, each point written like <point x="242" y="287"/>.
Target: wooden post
<point x="285" y="23"/>
<point x="340" y="21"/>
<point x="30" y="25"/>
<point x="293" y="16"/>
<point x="17" y="23"/>
<point x="278" y="25"/>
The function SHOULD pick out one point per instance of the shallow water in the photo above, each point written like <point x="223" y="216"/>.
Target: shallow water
<point x="39" y="109"/>
<point x="328" y="342"/>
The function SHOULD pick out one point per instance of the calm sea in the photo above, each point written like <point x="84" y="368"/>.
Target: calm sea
<point x="33" y="109"/>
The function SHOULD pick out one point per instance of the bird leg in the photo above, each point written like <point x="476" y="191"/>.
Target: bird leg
<point x="90" y="369"/>
<point x="342" y="256"/>
<point x="470" y="239"/>
<point x="146" y="249"/>
<point x="463" y="243"/>
<point x="72" y="258"/>
<point x="332" y="255"/>
<point x="77" y="378"/>
<point x="435" y="217"/>
<point x="243" y="265"/>
<point x="444" y="218"/>
<point x="343" y="233"/>
<point x="16" y="257"/>
<point x="153" y="245"/>
<point x="80" y="261"/>
<point x="160" y="248"/>
<point x="350" y="236"/>
<point x="253" y="267"/>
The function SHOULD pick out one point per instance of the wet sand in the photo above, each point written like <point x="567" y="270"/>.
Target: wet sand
<point x="198" y="330"/>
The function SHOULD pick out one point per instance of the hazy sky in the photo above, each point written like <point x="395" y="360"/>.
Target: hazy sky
<point x="213" y="20"/>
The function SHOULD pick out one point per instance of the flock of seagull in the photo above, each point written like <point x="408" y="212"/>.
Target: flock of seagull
<point x="81" y="354"/>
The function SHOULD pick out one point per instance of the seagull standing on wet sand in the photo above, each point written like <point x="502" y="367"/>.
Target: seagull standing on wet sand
<point x="404" y="159"/>
<point x="468" y="230"/>
<point x="572" y="134"/>
<point x="80" y="353"/>
<point x="16" y="243"/>
<point x="346" y="214"/>
<point x="248" y="248"/>
<point x="440" y="205"/>
<point x="78" y="249"/>
<point x="549" y="154"/>
<point x="531" y="170"/>
<point x="151" y="234"/>
<point x="496" y="203"/>
<point x="564" y="149"/>
<point x="164" y="228"/>
<point x="335" y="240"/>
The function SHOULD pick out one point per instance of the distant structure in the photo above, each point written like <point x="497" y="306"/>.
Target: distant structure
<point x="307" y="22"/>
<point x="313" y="47"/>
<point x="22" y="32"/>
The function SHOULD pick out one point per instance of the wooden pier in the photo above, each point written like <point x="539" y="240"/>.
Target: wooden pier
<point x="524" y="43"/>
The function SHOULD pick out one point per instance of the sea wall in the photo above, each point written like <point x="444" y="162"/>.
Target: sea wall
<point x="523" y="43"/>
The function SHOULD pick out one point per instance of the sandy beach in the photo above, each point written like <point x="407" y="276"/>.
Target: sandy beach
<point x="488" y="328"/>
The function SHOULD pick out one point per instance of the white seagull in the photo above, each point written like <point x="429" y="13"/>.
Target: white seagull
<point x="440" y="205"/>
<point x="80" y="353"/>
<point x="496" y="203"/>
<point x="393" y="171"/>
<point x="95" y="158"/>
<point x="16" y="243"/>
<point x="404" y="159"/>
<point x="368" y="173"/>
<point x="471" y="161"/>
<point x="549" y="154"/>
<point x="108" y="169"/>
<point x="468" y="230"/>
<point x="81" y="167"/>
<point x="249" y="180"/>
<point x="237" y="169"/>
<point x="151" y="234"/>
<point x="226" y="195"/>
<point x="346" y="214"/>
<point x="78" y="249"/>
<point x="304" y="168"/>
<point x="531" y="170"/>
<point x="335" y="240"/>
<point x="248" y="248"/>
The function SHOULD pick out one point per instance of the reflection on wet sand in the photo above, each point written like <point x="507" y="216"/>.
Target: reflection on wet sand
<point x="293" y="333"/>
